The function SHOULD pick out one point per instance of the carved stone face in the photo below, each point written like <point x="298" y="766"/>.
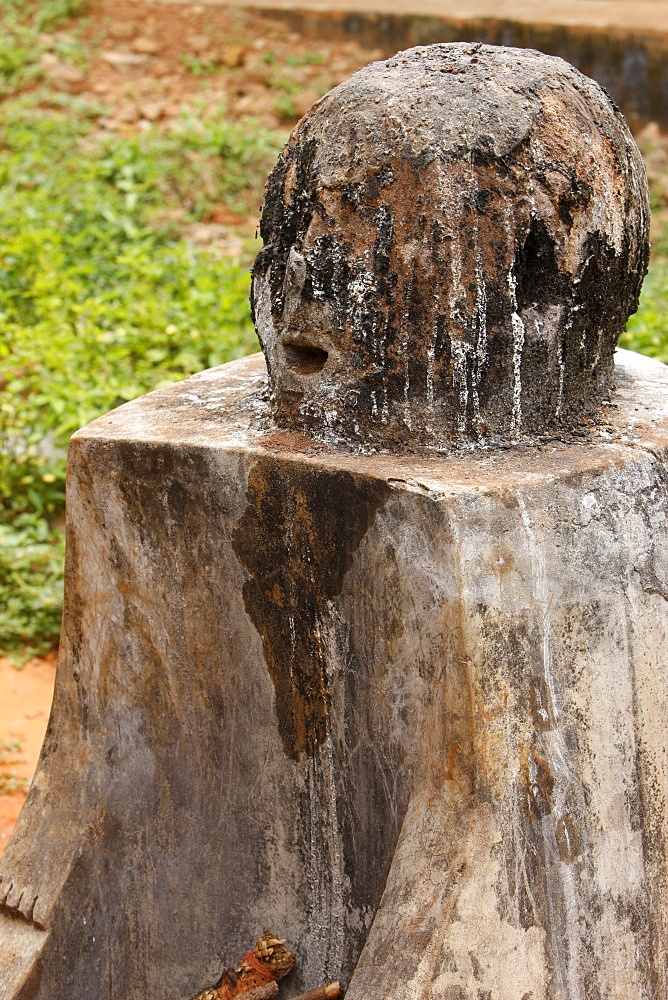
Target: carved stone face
<point x="454" y="240"/>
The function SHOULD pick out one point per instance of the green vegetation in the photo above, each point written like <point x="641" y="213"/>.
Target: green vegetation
<point x="647" y="331"/>
<point x="100" y="301"/>
<point x="9" y="780"/>
<point x="196" y="66"/>
<point x="285" y="108"/>
<point x="307" y="59"/>
<point x="22" y="37"/>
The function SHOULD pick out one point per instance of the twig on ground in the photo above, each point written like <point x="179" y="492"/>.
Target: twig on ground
<point x="329" y="992"/>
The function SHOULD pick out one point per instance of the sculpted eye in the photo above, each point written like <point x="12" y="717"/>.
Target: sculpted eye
<point x="328" y="270"/>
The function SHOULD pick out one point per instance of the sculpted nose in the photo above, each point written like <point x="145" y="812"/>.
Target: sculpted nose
<point x="295" y="276"/>
<point x="300" y="339"/>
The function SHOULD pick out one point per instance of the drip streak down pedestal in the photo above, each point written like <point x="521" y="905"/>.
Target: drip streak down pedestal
<point x="409" y="710"/>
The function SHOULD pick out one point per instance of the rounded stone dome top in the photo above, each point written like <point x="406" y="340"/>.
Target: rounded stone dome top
<point x="454" y="239"/>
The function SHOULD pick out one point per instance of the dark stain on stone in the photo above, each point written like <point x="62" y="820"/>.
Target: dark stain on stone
<point x="539" y="785"/>
<point x="567" y="835"/>
<point x="475" y="965"/>
<point x="454" y="993"/>
<point x="297" y="539"/>
<point x="539" y="279"/>
<point x="541" y="705"/>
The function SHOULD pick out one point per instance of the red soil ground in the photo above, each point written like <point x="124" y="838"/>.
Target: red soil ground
<point x="25" y="703"/>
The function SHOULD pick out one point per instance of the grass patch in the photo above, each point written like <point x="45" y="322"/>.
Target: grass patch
<point x="99" y="303"/>
<point x="11" y="782"/>
<point x="22" y="39"/>
<point x="647" y="330"/>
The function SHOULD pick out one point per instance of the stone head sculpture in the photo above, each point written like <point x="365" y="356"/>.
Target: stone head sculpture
<point x="453" y="241"/>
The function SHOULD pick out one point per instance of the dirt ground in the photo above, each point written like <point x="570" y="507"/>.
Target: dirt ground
<point x="148" y="63"/>
<point x="25" y="703"/>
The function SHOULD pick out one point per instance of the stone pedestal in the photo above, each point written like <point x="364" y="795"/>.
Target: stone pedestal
<point x="407" y="711"/>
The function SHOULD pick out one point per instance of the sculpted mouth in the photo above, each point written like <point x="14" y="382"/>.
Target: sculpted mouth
<point x="304" y="358"/>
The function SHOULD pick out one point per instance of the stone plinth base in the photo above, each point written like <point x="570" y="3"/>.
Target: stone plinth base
<point x="409" y="713"/>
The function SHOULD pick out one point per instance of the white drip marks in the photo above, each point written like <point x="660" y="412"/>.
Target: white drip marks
<point x="480" y="322"/>
<point x="431" y="352"/>
<point x="458" y="345"/>
<point x="405" y="348"/>
<point x="459" y="381"/>
<point x="361" y="286"/>
<point x="380" y="344"/>
<point x="518" y="347"/>
<point x="479" y="311"/>
<point x="481" y="308"/>
<point x="431" y="357"/>
<point x="326" y="861"/>
<point x="289" y="544"/>
<point x="562" y="369"/>
<point x="451" y="207"/>
<point x="559" y="877"/>
<point x="519" y="333"/>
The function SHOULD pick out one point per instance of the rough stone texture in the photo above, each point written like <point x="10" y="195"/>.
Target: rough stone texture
<point x="409" y="711"/>
<point x="454" y="239"/>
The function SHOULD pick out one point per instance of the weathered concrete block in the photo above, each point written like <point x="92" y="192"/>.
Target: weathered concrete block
<point x="409" y="710"/>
